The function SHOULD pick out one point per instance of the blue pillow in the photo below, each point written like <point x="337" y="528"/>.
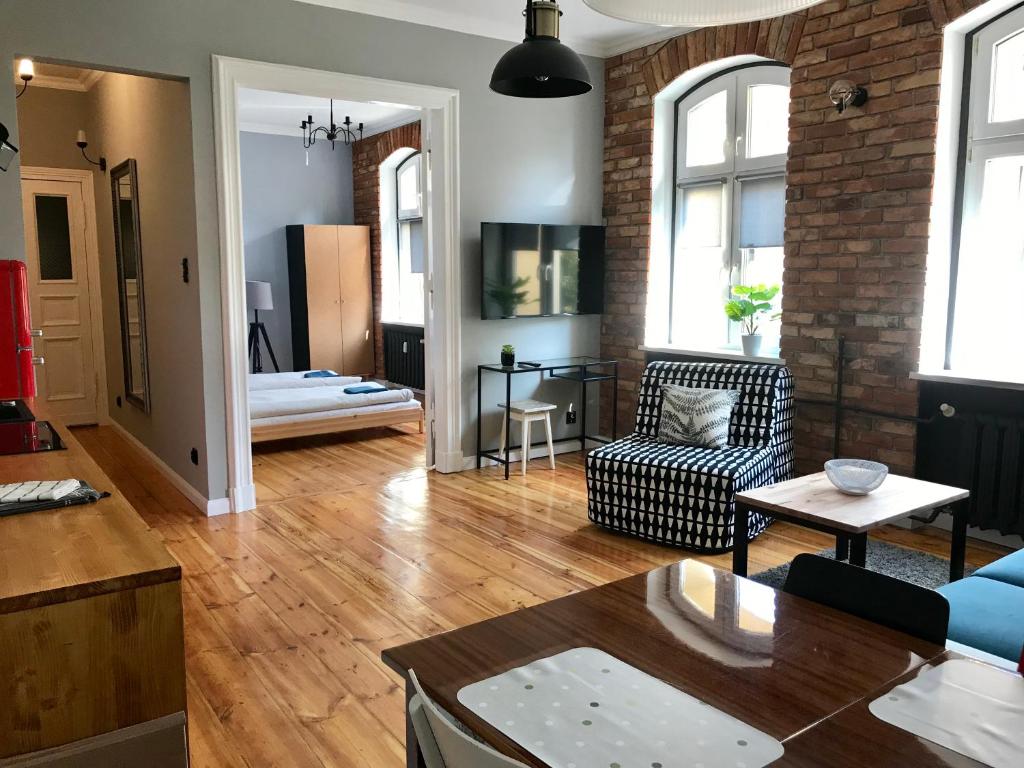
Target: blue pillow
<point x="320" y="374"/>
<point x="365" y="389"/>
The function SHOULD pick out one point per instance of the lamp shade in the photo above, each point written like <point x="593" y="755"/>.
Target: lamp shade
<point x="696" y="13"/>
<point x="541" y="68"/>
<point x="258" y="295"/>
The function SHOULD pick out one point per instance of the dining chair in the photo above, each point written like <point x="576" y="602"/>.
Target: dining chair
<point x="918" y="611"/>
<point x="442" y="743"/>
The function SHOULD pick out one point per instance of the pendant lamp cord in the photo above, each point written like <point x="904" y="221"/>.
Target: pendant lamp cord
<point x="529" y="19"/>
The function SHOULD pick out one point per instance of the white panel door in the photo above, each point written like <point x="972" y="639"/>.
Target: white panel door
<point x="58" y="275"/>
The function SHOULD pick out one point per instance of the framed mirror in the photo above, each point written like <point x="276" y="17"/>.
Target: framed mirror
<point x="124" y="184"/>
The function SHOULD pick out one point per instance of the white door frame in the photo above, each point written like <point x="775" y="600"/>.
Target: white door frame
<point x="85" y="180"/>
<point x="444" y="348"/>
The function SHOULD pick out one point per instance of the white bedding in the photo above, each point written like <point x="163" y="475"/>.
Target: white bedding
<point x="413" y="406"/>
<point x="296" y="380"/>
<point x="320" y="400"/>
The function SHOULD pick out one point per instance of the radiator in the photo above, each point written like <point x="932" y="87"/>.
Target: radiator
<point x="992" y="450"/>
<point x="403" y="356"/>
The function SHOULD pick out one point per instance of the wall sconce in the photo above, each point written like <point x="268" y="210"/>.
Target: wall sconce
<point x="26" y="71"/>
<point x="7" y="150"/>
<point x="845" y="94"/>
<point x="81" y="142"/>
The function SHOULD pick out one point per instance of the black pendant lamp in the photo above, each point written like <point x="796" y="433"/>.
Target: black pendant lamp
<point x="541" y="67"/>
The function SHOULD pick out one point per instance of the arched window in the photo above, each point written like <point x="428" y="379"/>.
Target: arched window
<point x="728" y="208"/>
<point x="402" y="242"/>
<point x="988" y="261"/>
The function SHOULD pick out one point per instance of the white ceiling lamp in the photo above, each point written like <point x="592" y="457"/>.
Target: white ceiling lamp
<point x="697" y="13"/>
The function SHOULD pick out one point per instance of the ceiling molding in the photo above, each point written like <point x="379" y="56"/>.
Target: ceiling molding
<point x="632" y="42"/>
<point x="499" y="30"/>
<point x="82" y="82"/>
<point x="255" y="126"/>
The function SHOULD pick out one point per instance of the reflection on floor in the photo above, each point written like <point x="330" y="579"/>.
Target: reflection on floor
<point x="356" y="547"/>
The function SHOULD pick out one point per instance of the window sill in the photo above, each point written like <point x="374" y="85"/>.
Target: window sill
<point x="721" y="354"/>
<point x="401" y="323"/>
<point x="951" y="377"/>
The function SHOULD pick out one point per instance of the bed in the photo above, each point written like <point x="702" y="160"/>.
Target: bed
<point x="283" y="405"/>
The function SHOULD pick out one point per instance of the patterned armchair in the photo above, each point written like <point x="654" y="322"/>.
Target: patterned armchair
<point x="686" y="495"/>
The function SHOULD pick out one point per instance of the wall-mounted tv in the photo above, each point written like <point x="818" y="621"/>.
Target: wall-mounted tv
<point x="541" y="270"/>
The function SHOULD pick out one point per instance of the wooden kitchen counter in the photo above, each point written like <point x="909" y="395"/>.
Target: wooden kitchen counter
<point x="91" y="634"/>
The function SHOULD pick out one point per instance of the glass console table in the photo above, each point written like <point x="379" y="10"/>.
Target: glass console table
<point x="582" y="370"/>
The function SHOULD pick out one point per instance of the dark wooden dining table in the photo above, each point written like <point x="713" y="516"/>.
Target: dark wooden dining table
<point x="799" y="671"/>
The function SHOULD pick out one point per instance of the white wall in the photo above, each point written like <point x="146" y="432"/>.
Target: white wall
<point x="278" y="189"/>
<point x="522" y="160"/>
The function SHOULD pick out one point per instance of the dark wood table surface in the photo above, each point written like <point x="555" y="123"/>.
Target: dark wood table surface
<point x="777" y="662"/>
<point x="855" y="738"/>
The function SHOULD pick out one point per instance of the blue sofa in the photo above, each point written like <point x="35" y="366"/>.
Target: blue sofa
<point x="986" y="610"/>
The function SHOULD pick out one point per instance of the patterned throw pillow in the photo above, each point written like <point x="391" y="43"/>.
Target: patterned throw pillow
<point x="696" y="416"/>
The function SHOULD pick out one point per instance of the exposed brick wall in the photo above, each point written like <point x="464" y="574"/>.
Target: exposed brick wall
<point x="858" y="196"/>
<point x="367" y="155"/>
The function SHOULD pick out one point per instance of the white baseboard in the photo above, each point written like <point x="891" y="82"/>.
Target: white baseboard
<point x="240" y="499"/>
<point x="209" y="506"/>
<point x="536" y="452"/>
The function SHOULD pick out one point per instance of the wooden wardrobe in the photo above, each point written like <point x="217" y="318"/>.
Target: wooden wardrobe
<point x="331" y="298"/>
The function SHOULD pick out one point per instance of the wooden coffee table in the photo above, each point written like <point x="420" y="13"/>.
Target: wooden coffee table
<point x="813" y="502"/>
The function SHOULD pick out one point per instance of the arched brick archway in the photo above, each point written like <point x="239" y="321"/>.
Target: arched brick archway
<point x="859" y="190"/>
<point x="776" y="39"/>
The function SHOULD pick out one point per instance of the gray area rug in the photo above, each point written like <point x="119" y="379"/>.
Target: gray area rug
<point x="905" y="564"/>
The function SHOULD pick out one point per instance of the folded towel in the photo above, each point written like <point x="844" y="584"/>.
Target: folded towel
<point x="320" y="374"/>
<point x="365" y="389"/>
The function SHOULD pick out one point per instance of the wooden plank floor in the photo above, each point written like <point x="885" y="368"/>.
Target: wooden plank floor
<point x="356" y="547"/>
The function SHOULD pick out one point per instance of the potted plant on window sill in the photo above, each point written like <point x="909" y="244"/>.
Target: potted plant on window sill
<point x="749" y="305"/>
<point x="508" y="355"/>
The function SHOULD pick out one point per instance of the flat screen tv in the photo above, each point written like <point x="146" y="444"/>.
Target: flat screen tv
<point x="541" y="270"/>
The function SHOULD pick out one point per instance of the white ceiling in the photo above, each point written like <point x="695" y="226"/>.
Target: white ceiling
<point x="584" y="30"/>
<point x="281" y="113"/>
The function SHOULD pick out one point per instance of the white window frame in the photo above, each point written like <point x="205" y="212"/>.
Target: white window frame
<point x="983" y="140"/>
<point x="736" y="169"/>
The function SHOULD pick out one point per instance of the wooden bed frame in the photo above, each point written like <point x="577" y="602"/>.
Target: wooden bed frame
<point x="326" y="426"/>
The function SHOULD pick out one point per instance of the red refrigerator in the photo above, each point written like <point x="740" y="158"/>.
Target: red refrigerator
<point x="17" y="375"/>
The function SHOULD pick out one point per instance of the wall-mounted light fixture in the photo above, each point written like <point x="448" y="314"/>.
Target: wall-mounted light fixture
<point x="7" y="150"/>
<point x="844" y="93"/>
<point x="81" y="142"/>
<point x="26" y="71"/>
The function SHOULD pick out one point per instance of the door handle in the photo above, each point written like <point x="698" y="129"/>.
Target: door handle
<point x="367" y="337"/>
<point x="40" y="360"/>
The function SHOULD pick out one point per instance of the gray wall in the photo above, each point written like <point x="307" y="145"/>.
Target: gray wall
<point x="278" y="189"/>
<point x="521" y="160"/>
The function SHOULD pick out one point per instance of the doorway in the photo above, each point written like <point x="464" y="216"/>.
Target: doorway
<point x="62" y="260"/>
<point x="442" y="290"/>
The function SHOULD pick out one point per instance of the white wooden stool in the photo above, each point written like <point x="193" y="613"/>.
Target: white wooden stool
<point x="527" y="412"/>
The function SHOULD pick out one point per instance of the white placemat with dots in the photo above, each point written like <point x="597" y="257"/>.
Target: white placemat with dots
<point x="586" y="709"/>
<point x="972" y="708"/>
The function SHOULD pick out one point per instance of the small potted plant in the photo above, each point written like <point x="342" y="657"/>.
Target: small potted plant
<point x="748" y="306"/>
<point x="508" y="355"/>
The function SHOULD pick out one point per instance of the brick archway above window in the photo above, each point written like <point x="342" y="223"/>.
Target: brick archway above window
<point x="777" y="39"/>
<point x="945" y="11"/>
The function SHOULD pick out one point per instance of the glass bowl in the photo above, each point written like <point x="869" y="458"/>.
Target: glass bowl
<point x="857" y="477"/>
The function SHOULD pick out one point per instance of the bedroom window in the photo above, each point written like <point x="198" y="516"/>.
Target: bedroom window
<point x="731" y="141"/>
<point x="402" y="241"/>
<point x="990" y="200"/>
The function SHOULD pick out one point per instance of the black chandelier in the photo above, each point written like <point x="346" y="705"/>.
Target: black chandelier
<point x="344" y="132"/>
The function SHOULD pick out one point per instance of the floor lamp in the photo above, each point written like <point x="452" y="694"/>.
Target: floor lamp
<point x="259" y="296"/>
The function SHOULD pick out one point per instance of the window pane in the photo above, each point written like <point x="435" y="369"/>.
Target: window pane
<point x="991" y="256"/>
<point x="409" y="187"/>
<point x="706" y="131"/>
<point x="767" y="120"/>
<point x="54" y="230"/>
<point x="1008" y="79"/>
<point x="700" y="273"/>
<point x="762" y="211"/>
<point x="700" y="216"/>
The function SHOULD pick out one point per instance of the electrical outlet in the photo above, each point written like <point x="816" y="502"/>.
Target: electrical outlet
<point x="570" y="417"/>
